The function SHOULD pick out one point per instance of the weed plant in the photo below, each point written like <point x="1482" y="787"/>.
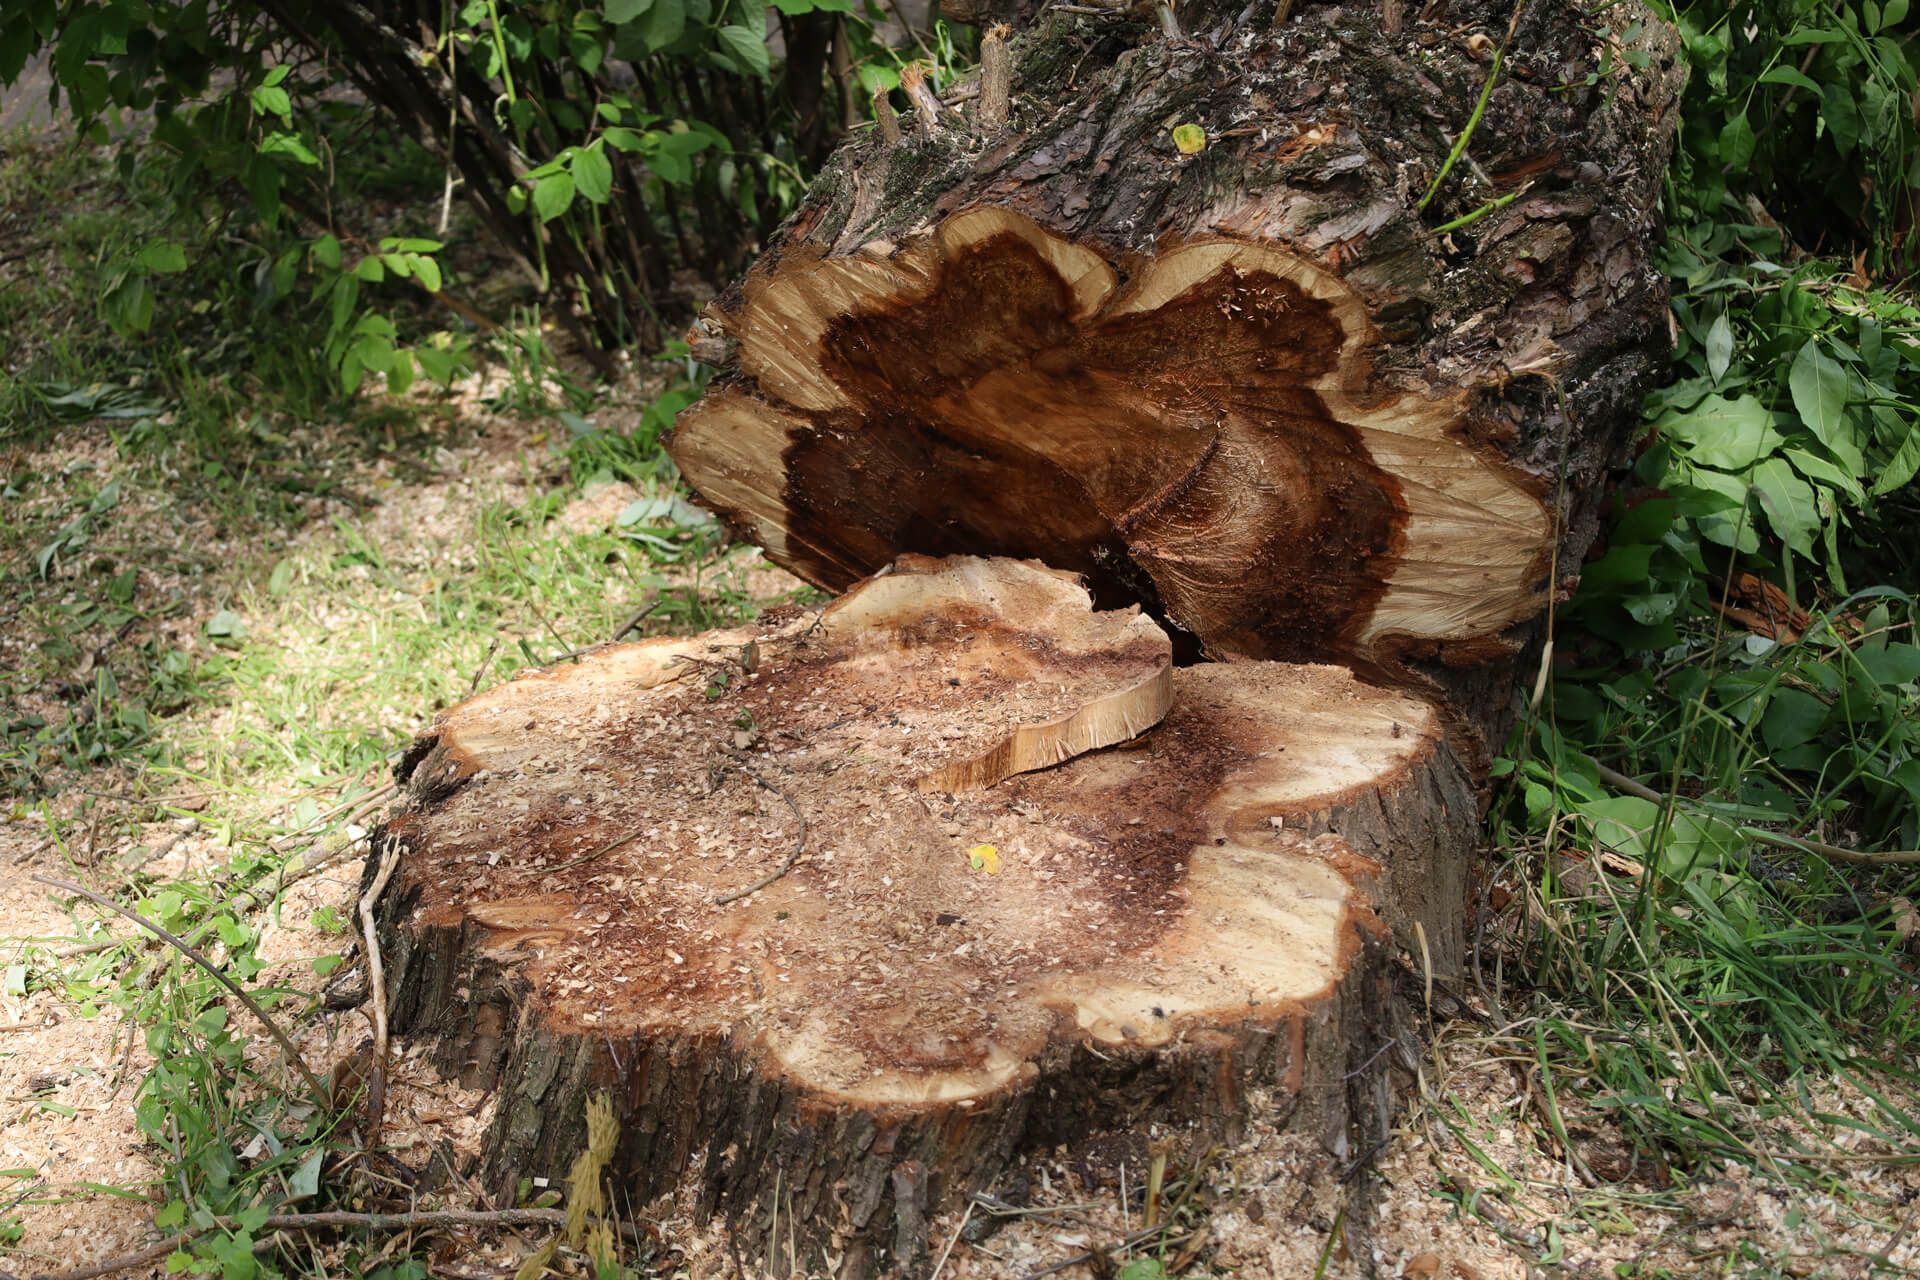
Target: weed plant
<point x="1739" y="664"/>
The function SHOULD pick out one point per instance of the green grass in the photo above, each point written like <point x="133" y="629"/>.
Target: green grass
<point x="234" y="596"/>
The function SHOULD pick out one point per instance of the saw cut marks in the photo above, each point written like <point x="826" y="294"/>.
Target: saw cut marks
<point x="1205" y="438"/>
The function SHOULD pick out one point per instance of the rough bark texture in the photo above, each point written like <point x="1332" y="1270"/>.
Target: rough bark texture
<point x="892" y="1022"/>
<point x="1066" y="339"/>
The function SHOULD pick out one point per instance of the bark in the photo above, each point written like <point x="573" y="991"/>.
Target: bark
<point x="1258" y="388"/>
<point x="894" y="1016"/>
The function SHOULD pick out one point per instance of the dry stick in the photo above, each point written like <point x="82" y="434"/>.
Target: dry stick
<point x="952" y="1240"/>
<point x="253" y="1006"/>
<point x="377" y="988"/>
<point x="799" y="845"/>
<point x="337" y="1218"/>
<point x="1895" y="857"/>
<point x="473" y="685"/>
<point x="634" y="619"/>
<point x="601" y="852"/>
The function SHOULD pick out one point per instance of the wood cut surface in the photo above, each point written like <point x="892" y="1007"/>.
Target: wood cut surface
<point x="1204" y="437"/>
<point x="589" y="827"/>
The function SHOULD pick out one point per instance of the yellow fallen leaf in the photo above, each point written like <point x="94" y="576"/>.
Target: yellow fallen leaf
<point x="984" y="857"/>
<point x="1190" y="138"/>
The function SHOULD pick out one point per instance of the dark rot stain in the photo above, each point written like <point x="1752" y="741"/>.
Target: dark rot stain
<point x="986" y="420"/>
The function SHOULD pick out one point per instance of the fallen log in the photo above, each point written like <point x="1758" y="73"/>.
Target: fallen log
<point x="1321" y="390"/>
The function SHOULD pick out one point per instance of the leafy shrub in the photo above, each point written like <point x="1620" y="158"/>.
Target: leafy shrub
<point x="1804" y="107"/>
<point x="620" y="153"/>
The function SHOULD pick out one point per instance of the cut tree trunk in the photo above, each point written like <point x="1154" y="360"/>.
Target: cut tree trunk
<point x="805" y="901"/>
<point x="1257" y="388"/>
<point x="1311" y="338"/>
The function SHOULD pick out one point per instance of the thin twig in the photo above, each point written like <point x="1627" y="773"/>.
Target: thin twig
<point x="952" y="1240"/>
<point x="634" y="619"/>
<point x="253" y="1006"/>
<point x="799" y="844"/>
<point x="1798" y="844"/>
<point x="473" y="685"/>
<point x="601" y="852"/>
<point x="377" y="988"/>
<point x="335" y="1219"/>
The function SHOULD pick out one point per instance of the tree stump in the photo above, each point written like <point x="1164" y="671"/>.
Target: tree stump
<point x="759" y="887"/>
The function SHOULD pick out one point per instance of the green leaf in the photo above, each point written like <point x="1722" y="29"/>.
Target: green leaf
<point x="876" y="78"/>
<point x="1892" y="14"/>
<point x="173" y="1214"/>
<point x="1820" y="392"/>
<point x="225" y="625"/>
<point x="1793" y="717"/>
<point x="1900" y="468"/>
<point x="17" y="43"/>
<point x="1820" y="471"/>
<point x="618" y="11"/>
<point x="270" y="100"/>
<point x="370" y="269"/>
<point x="1719" y="347"/>
<point x="1897" y="663"/>
<point x="286" y="144"/>
<point x="304" y="1181"/>
<point x="277" y="75"/>
<point x="745" y="49"/>
<point x="622" y="138"/>
<point x="1789" y="503"/>
<point x="1787" y="75"/>
<point x="1736" y="143"/>
<point x="1841" y="116"/>
<point x="164" y="256"/>
<point x="399" y="373"/>
<point x="552" y="195"/>
<point x="129" y="305"/>
<point x="326" y="252"/>
<point x="593" y="174"/>
<point x="664" y="23"/>
<point x="426" y="270"/>
<point x="1728" y="434"/>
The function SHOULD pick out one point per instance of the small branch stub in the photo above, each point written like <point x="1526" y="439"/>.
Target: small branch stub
<point x="926" y="107"/>
<point x="996" y="80"/>
<point x="885" y="119"/>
